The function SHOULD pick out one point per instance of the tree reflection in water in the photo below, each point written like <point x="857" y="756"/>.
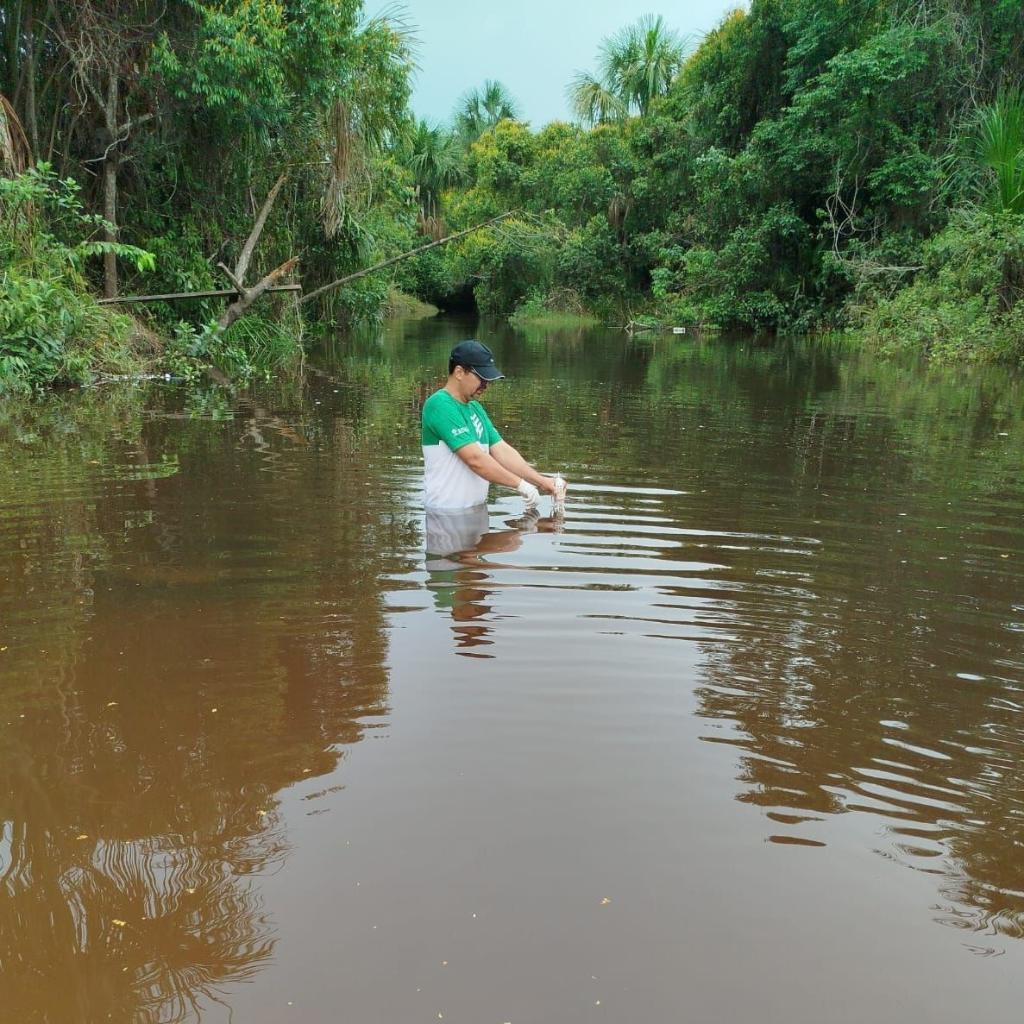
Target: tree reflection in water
<point x="846" y="697"/>
<point x="175" y="658"/>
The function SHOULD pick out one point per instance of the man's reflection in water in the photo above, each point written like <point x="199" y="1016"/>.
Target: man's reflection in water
<point x="458" y="543"/>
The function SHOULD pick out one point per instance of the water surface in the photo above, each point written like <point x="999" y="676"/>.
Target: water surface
<point x="738" y="737"/>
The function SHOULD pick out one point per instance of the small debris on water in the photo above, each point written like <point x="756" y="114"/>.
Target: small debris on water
<point x="82" y="836"/>
<point x="213" y="710"/>
<point x="605" y="900"/>
<point x="119" y="922"/>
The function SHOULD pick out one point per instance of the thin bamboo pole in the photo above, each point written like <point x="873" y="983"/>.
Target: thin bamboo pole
<point x="175" y="296"/>
<point x="405" y="255"/>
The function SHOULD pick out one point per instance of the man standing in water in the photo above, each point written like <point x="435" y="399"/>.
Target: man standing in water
<point x="462" y="452"/>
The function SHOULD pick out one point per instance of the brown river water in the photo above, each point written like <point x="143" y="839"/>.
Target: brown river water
<point x="740" y="737"/>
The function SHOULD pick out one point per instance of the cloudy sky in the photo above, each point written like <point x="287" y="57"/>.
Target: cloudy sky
<point x="532" y="46"/>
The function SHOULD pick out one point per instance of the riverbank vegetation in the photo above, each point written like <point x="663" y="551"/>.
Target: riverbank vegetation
<point x="804" y="166"/>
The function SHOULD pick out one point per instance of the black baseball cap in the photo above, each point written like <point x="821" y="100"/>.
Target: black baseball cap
<point x="476" y="357"/>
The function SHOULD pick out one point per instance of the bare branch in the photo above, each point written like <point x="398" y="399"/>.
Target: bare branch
<point x="234" y="280"/>
<point x="250" y="295"/>
<point x="257" y="229"/>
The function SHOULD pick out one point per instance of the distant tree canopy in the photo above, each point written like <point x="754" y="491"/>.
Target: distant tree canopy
<point x="796" y="170"/>
<point x="807" y="164"/>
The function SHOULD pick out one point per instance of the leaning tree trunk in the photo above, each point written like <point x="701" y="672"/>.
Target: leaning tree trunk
<point x="247" y="296"/>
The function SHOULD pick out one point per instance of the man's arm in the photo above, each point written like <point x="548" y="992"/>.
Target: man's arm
<point x="506" y="456"/>
<point x="489" y="468"/>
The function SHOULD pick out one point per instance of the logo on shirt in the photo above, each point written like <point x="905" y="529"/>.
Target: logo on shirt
<point x="477" y="425"/>
<point x="459" y="430"/>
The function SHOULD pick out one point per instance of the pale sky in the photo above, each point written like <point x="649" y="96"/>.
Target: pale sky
<point x="533" y="47"/>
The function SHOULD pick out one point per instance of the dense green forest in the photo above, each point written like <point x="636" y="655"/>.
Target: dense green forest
<point x="807" y="165"/>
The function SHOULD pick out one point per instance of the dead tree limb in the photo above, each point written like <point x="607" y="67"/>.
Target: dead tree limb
<point x="242" y="266"/>
<point x="403" y="256"/>
<point x="247" y="296"/>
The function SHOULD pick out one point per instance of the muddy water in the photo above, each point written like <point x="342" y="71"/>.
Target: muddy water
<point x="739" y="737"/>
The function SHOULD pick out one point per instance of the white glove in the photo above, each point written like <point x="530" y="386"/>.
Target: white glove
<point x="529" y="492"/>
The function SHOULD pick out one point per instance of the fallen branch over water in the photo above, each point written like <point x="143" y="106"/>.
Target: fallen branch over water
<point x="403" y="256"/>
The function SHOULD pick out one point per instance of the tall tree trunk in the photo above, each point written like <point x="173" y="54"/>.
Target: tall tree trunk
<point x="30" y="95"/>
<point x="110" y="190"/>
<point x="12" y="40"/>
<point x="110" y="233"/>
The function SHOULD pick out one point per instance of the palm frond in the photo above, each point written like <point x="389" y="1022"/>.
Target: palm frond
<point x="593" y="102"/>
<point x="637" y="63"/>
<point x="480" y="110"/>
<point x="999" y="144"/>
<point x="397" y="19"/>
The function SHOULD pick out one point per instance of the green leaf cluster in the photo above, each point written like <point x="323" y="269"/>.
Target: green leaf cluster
<point x="51" y="329"/>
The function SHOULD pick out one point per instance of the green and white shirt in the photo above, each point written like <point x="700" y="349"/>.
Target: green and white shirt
<point x="449" y="425"/>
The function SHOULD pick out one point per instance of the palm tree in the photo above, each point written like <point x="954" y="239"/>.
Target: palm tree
<point x="636" y="65"/>
<point x="481" y="109"/>
<point x="364" y="122"/>
<point x="593" y="102"/>
<point x="999" y="142"/>
<point x="437" y="161"/>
